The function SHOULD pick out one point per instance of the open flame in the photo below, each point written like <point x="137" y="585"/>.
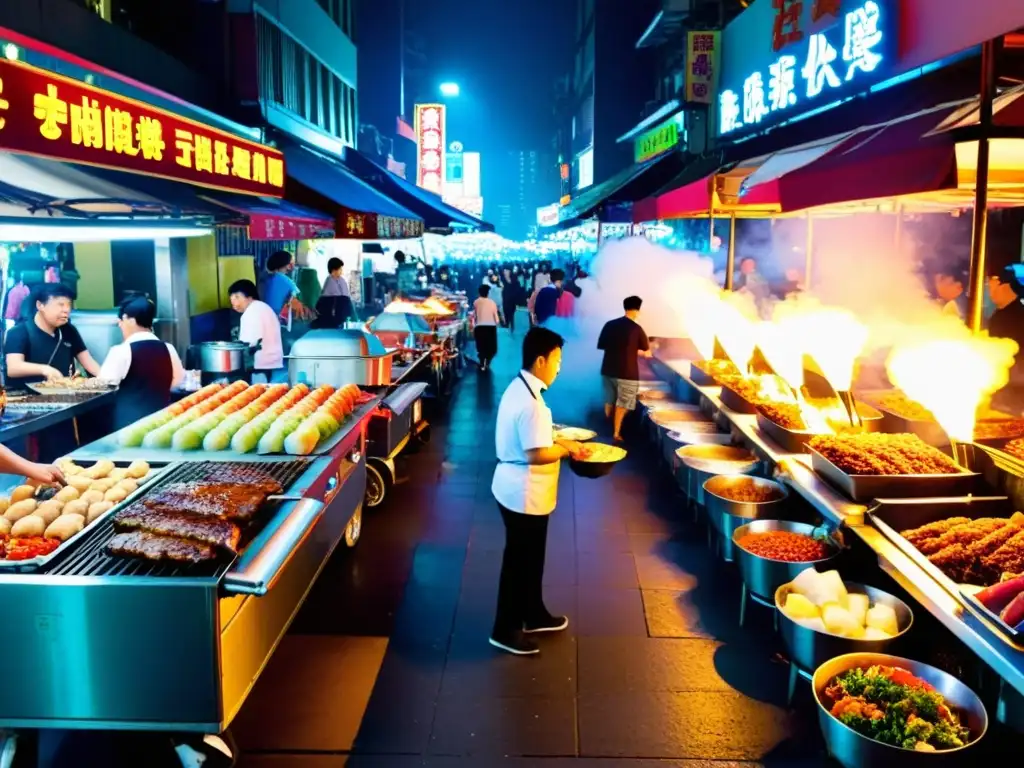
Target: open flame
<point x="952" y="377"/>
<point x="430" y="306"/>
<point x="735" y="328"/>
<point x="834" y="339"/>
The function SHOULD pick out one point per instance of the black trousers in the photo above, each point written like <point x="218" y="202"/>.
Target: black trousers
<point x="486" y="342"/>
<point x="520" y="591"/>
<point x="510" y="315"/>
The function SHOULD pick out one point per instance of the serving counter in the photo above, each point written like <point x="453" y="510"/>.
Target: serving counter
<point x="29" y="413"/>
<point x="978" y="634"/>
<point x="133" y="644"/>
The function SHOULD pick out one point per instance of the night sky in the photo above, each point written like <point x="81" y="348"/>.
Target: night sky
<point x="505" y="57"/>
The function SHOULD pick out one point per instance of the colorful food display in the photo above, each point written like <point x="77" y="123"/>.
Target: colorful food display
<point x="247" y="418"/>
<point x="978" y="552"/>
<point x="785" y="546"/>
<point x="894" y="707"/>
<point x="820" y="601"/>
<point x="37" y="520"/>
<point x="883" y="454"/>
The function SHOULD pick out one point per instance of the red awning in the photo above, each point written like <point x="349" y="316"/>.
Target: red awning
<point x="276" y="219"/>
<point x="893" y="160"/>
<point x="688" y="201"/>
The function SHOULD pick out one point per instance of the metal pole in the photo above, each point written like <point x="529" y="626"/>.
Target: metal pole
<point x="730" y="259"/>
<point x="808" y="252"/>
<point x="401" y="59"/>
<point x="979" y="236"/>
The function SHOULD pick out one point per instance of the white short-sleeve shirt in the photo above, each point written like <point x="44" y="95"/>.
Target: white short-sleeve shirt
<point x="524" y="423"/>
<point x="261" y="323"/>
<point x="119" y="360"/>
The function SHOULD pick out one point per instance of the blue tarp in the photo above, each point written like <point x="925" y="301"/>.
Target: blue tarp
<point x="436" y="214"/>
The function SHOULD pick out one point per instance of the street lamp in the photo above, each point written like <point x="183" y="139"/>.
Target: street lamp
<point x="450" y="89"/>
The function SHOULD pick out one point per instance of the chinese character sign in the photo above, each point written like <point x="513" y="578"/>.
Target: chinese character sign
<point x="53" y="116"/>
<point x="849" y="46"/>
<point x="701" y="65"/>
<point x="430" y="147"/>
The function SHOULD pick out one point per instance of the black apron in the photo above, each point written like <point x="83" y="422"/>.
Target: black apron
<point x="147" y="386"/>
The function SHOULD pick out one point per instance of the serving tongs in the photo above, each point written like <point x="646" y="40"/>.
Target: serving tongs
<point x="849" y="402"/>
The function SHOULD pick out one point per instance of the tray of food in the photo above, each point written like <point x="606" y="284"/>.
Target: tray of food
<point x="38" y="523"/>
<point x="73" y="385"/>
<point x="706" y="373"/>
<point x="882" y="466"/>
<point x="740" y="394"/>
<point x="972" y="547"/>
<point x="785" y="422"/>
<point x="579" y="434"/>
<point x="244" y="418"/>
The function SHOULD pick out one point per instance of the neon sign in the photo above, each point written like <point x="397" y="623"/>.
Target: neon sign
<point x="843" y="54"/>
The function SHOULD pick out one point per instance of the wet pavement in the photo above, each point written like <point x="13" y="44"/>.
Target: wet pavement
<point x="388" y="665"/>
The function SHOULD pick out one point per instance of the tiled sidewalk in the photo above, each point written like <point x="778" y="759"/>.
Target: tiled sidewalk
<point x="388" y="663"/>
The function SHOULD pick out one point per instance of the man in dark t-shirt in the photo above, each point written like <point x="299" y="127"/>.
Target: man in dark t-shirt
<point x="46" y="346"/>
<point x="623" y="341"/>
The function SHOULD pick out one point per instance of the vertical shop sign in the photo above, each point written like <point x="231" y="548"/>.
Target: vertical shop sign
<point x="701" y="65"/>
<point x="430" y="146"/>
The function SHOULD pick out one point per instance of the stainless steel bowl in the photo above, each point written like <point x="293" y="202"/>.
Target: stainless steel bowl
<point x="763" y="576"/>
<point x="726" y="515"/>
<point x="222" y="356"/>
<point x="706" y="461"/>
<point x="809" y="648"/>
<point x="853" y="750"/>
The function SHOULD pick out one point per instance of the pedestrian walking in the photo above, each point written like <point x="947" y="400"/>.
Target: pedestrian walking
<point x="485" y="329"/>
<point x="525" y="485"/>
<point x="623" y="341"/>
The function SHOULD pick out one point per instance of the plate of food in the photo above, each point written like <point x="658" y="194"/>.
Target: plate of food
<point x="72" y="385"/>
<point x="38" y="522"/>
<point x="579" y="434"/>
<point x="594" y="460"/>
<point x="880" y="710"/>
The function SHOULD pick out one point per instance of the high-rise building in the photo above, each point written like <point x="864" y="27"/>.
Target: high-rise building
<point x="521" y="182"/>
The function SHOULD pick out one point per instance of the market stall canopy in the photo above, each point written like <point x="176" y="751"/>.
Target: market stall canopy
<point x="627" y="186"/>
<point x="363" y="212"/>
<point x="708" y="194"/>
<point x="436" y="214"/>
<point x="273" y="218"/>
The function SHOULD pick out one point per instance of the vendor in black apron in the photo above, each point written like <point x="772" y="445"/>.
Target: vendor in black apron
<point x="44" y="347"/>
<point x="145" y="368"/>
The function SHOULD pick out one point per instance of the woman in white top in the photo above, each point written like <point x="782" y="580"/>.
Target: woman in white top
<point x="485" y="329"/>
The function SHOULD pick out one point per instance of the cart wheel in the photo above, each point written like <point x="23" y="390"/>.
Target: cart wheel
<point x="378" y="483"/>
<point x="354" y="529"/>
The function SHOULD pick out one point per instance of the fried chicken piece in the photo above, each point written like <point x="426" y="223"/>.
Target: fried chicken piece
<point x="965" y="534"/>
<point x="1009" y="558"/>
<point x="932" y="530"/>
<point x="954" y="561"/>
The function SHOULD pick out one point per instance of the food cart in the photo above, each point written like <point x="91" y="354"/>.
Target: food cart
<point x="155" y="643"/>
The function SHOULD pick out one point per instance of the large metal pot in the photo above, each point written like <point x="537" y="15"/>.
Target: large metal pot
<point x="762" y="576"/>
<point x="808" y="648"/>
<point x="706" y="461"/>
<point x="853" y="750"/>
<point x="726" y="515"/>
<point x="222" y="356"/>
<point x="340" y="356"/>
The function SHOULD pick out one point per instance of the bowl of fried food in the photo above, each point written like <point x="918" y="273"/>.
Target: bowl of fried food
<point x="593" y="460"/>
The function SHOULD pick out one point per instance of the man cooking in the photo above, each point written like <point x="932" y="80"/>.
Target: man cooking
<point x="145" y="367"/>
<point x="47" y="346"/>
<point x="1007" y="322"/>
<point x="260" y="328"/>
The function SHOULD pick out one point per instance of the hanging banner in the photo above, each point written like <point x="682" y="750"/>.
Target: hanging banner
<point x="430" y="144"/>
<point x="48" y="115"/>
<point x="702" y="54"/>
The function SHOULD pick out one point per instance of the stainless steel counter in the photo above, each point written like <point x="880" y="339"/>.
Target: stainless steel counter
<point x="1006" y="659"/>
<point x="34" y="413"/>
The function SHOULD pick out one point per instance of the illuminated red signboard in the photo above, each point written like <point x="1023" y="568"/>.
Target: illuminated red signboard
<point x="48" y="115"/>
<point x="430" y="146"/>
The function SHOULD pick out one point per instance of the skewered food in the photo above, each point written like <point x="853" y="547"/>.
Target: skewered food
<point x="217" y="532"/>
<point x="786" y="546"/>
<point x="64" y="527"/>
<point x="150" y="546"/>
<point x="882" y="454"/>
<point x="894" y="707"/>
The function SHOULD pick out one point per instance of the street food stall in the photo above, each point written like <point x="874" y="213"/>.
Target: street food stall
<point x="192" y="536"/>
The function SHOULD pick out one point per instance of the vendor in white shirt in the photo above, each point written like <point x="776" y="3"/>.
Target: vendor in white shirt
<point x="259" y="327"/>
<point x="525" y="486"/>
<point x="145" y="368"/>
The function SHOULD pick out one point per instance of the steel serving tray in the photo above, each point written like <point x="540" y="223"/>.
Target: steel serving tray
<point x="39" y="562"/>
<point x="92" y="389"/>
<point x="891" y="516"/>
<point x="865" y="488"/>
<point x="700" y="377"/>
<point x="795" y="440"/>
<point x="927" y="430"/>
<point x="732" y="400"/>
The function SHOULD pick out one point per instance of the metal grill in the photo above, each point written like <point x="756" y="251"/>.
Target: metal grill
<point x="90" y="558"/>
